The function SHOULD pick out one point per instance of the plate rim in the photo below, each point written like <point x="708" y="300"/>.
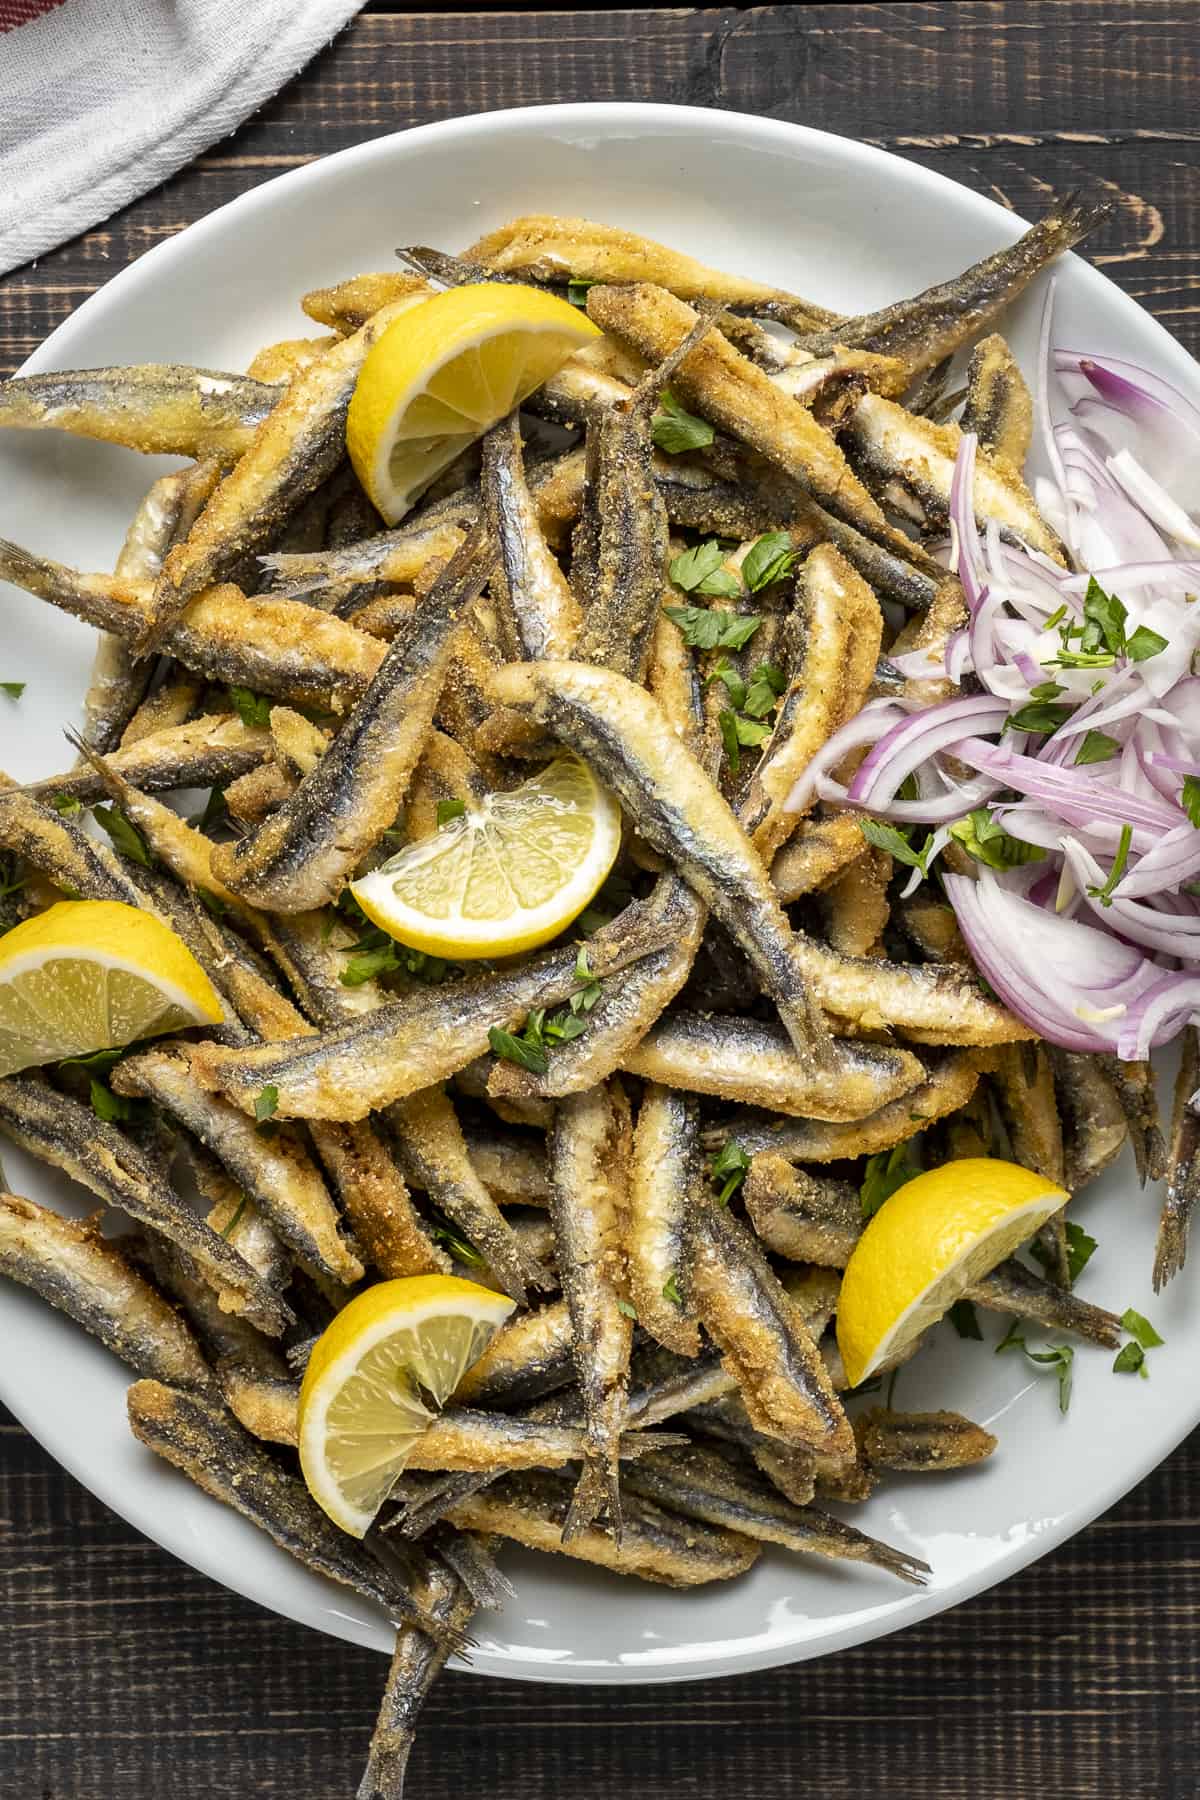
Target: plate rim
<point x="922" y="1606"/>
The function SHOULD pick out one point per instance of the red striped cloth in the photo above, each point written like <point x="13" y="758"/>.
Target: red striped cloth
<point x="19" y="12"/>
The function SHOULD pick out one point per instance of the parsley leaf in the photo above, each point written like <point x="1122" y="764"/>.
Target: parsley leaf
<point x="577" y="289"/>
<point x="460" y="1248"/>
<point x="884" y="1175"/>
<point x="367" y="965"/>
<point x="252" y="708"/>
<point x="66" y="805"/>
<point x="97" y="1062"/>
<point x="630" y="1312"/>
<point x="729" y="738"/>
<point x="892" y="839"/>
<point x="751" y="732"/>
<point x="14" y="689"/>
<point x="266" y="1101"/>
<point x="1140" y="1329"/>
<point x="671" y="1289"/>
<point x="113" y="1108"/>
<point x="1080" y="1249"/>
<point x="234" y="1219"/>
<point x="1189" y="799"/>
<point x="1059" y="1357"/>
<point x="1096" y="747"/>
<point x="125" y="837"/>
<point x="965" y="1319"/>
<point x="1130" y="1360"/>
<point x="735" y="687"/>
<point x="699" y="571"/>
<point x="1144" y="644"/>
<point x="988" y="842"/>
<point x="768" y="559"/>
<point x="449" y="809"/>
<point x="1104" y="894"/>
<point x="520" y="1050"/>
<point x="767" y="683"/>
<point x="729" y="1167"/>
<point x="1104" y="620"/>
<point x="1039" y="715"/>
<point x="712" y="628"/>
<point x="675" y="430"/>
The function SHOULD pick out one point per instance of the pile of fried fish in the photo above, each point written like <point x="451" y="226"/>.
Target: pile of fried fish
<point x="764" y="1030"/>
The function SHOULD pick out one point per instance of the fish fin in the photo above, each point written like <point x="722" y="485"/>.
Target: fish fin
<point x="596" y="1491"/>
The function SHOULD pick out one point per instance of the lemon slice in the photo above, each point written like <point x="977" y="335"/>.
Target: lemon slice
<point x="375" y="1381"/>
<point x="445" y="372"/>
<point x="926" y="1245"/>
<point x="92" y="974"/>
<point x="505" y="876"/>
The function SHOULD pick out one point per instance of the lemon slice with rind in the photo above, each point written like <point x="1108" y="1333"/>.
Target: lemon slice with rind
<point x="376" y="1379"/>
<point x="446" y="371"/>
<point x="92" y="975"/>
<point x="925" y="1246"/>
<point x="502" y="877"/>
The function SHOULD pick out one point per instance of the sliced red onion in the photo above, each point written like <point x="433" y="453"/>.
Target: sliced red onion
<point x="1153" y="499"/>
<point x="1122" y="403"/>
<point x="1140" y="924"/>
<point x="1158" y="1015"/>
<point x="1180" y="764"/>
<point x="1174" y="859"/>
<point x="903" y="749"/>
<point x="1160" y="571"/>
<point x="1066" y="787"/>
<point x="1106" y="526"/>
<point x="876" y="718"/>
<point x="966" y="550"/>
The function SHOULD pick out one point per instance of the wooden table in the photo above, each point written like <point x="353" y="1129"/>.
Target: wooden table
<point x="124" y="1675"/>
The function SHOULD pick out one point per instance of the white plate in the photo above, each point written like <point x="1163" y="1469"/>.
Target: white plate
<point x="851" y="227"/>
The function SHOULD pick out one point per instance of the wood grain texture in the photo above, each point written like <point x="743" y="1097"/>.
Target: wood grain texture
<point x="124" y="1675"/>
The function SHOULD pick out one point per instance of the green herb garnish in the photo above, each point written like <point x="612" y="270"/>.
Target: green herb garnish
<point x="14" y="689"/>
<point x="671" y="1289"/>
<point x="895" y="841"/>
<point x="66" y="805"/>
<point x="729" y="1167"/>
<point x="712" y="627"/>
<point x="265" y="1102"/>
<point x="1039" y="715"/>
<point x="1080" y="1250"/>
<point x="675" y="430"/>
<point x="988" y="842"/>
<point x="1144" y="644"/>
<point x="768" y="559"/>
<point x="767" y="683"/>
<point x="125" y="837"/>
<point x="525" y="1052"/>
<point x="1059" y="1357"/>
<point x="1189" y="799"/>
<point x="884" y="1175"/>
<point x="252" y="708"/>
<point x="1096" y="747"/>
<point x="450" y="809"/>
<point x="700" y="571"/>
<point x="1104" y="894"/>
<point x="965" y="1319"/>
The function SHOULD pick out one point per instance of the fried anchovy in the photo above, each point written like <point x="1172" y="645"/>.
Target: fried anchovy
<point x="935" y="323"/>
<point x="300" y="856"/>
<point x="702" y="1484"/>
<point x="931" y="927"/>
<point x="236" y="1218"/>
<point x="214" y="1451"/>
<point x="1024" y="1087"/>
<point x="435" y="1157"/>
<point x="375" y="1199"/>
<point x="61" y="1131"/>
<point x="544" y="612"/>
<point x="790" y="1468"/>
<point x="657" y="1223"/>
<point x="1183" y="1168"/>
<point x="311" y="949"/>
<point x="630" y="742"/>
<point x="118" y="680"/>
<point x="388" y="557"/>
<point x="174" y="701"/>
<point x="274" y="1170"/>
<point x="890" y="444"/>
<point x="417" y="1661"/>
<point x="298" y="445"/>
<point x="999" y="408"/>
<point x="348" y="305"/>
<point x="855" y="905"/>
<point x="830" y="644"/>
<point x="213" y="749"/>
<point x="545" y="247"/>
<point x="85" y="1276"/>
<point x="270" y="645"/>
<point x="1093" y="1123"/>
<point x="164" y="409"/>
<point x="60" y="851"/>
<point x="920" y="1443"/>
<point x="279" y="361"/>
<point x="529" y="1356"/>
<point x="810" y="1219"/>
<point x="816" y="855"/>
<point x="1138" y="1094"/>
<point x="513" y="1169"/>
<point x="764" y="1340"/>
<point x="589" y="1173"/>
<point x="656" y="1545"/>
<point x="411" y="1043"/>
<point x="725" y="387"/>
<point x="754" y="1063"/>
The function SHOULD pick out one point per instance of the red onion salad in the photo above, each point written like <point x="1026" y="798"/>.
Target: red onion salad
<point x="1070" y="770"/>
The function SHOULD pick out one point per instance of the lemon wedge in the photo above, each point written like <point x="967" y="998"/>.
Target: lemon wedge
<point x="925" y="1246"/>
<point x="90" y="975"/>
<point x="376" y="1379"/>
<point x="445" y="372"/>
<point x="505" y="876"/>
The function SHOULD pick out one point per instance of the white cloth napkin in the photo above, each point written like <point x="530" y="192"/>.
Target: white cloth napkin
<point x="100" y="100"/>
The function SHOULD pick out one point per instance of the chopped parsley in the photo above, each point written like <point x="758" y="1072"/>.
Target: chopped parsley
<point x="895" y="840"/>
<point x="527" y="1053"/>
<point x="965" y="1319"/>
<point x="125" y="837"/>
<point x="235" y="1218"/>
<point x="630" y="1312"/>
<point x="14" y="689"/>
<point x="671" y="1289"/>
<point x="1096" y="747"/>
<point x="66" y="805"/>
<point x="265" y="1102"/>
<point x="1104" y="894"/>
<point x="1144" y="644"/>
<point x="112" y="1108"/>
<point x="1189" y="799"/>
<point x="675" y="430"/>
<point x="988" y="842"/>
<point x="460" y="1248"/>
<point x="768" y="559"/>
<point x="252" y="708"/>
<point x="1080" y="1250"/>
<point x="1058" y="1357"/>
<point x="1131" y="1358"/>
<point x="530" y="1047"/>
<point x="215" y="809"/>
<point x="450" y="809"/>
<point x="1039" y="715"/>
<point x="884" y="1175"/>
<point x="712" y="627"/>
<point x="729" y="1167"/>
<point x="767" y="683"/>
<point x="700" y="571"/>
<point x="577" y="289"/>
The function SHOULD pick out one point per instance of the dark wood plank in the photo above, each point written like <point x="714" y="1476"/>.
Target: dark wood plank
<point x="125" y="1674"/>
